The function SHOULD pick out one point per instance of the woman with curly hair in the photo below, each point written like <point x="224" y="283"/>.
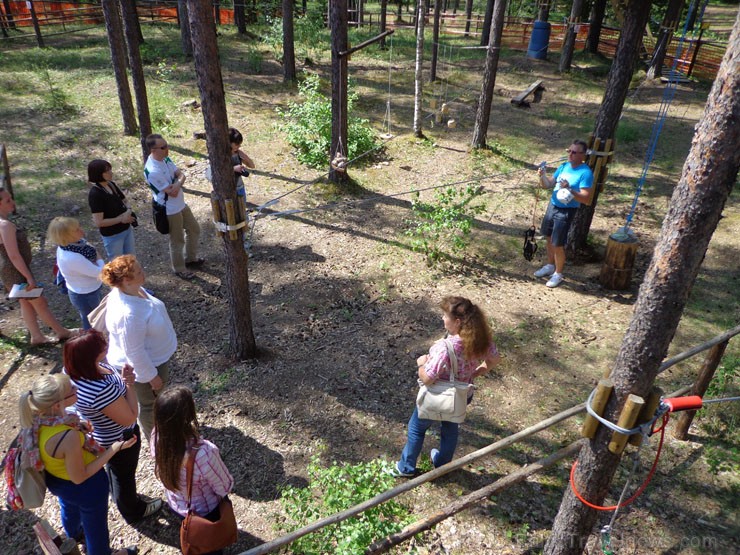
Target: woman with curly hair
<point x="471" y="338"/>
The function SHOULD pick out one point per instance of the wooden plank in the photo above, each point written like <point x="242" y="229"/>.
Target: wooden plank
<point x="47" y="544"/>
<point x="519" y="99"/>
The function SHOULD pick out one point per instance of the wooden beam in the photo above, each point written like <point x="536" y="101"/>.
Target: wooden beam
<point x="519" y="99"/>
<point x="368" y="42"/>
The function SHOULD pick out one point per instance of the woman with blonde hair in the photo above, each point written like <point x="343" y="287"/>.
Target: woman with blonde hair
<point x="140" y="333"/>
<point x="15" y="268"/>
<point x="472" y="341"/>
<point x="79" y="263"/>
<point x="59" y="443"/>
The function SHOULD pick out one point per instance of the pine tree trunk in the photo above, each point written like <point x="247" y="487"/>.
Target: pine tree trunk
<point x="543" y="11"/>
<point x="435" y="40"/>
<point x="594" y="28"/>
<point x="339" y="43"/>
<point x="569" y="43"/>
<point x="708" y="176"/>
<point x="210" y="83"/>
<point x="485" y="34"/>
<point x="240" y="17"/>
<point x="130" y="28"/>
<point x="289" y="74"/>
<point x="9" y="15"/>
<point x="113" y="26"/>
<point x="383" y="20"/>
<point x="468" y="16"/>
<point x="669" y="24"/>
<point x="419" y="73"/>
<point x="617" y="86"/>
<point x="185" y="40"/>
<point x="480" y="129"/>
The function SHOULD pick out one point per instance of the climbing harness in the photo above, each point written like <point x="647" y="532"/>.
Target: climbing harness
<point x="530" y="242"/>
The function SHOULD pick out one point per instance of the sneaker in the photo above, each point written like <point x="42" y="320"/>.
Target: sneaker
<point x="545" y="271"/>
<point x="152" y="507"/>
<point x="433" y="454"/>
<point x="555" y="280"/>
<point x="396" y="472"/>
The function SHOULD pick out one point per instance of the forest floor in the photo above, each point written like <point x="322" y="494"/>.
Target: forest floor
<point x="342" y="305"/>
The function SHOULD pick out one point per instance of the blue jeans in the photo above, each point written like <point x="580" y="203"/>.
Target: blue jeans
<point x="120" y="243"/>
<point x="85" y="303"/>
<point x="84" y="507"/>
<point x="417" y="430"/>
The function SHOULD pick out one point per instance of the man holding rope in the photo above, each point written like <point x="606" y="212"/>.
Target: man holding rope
<point x="570" y="188"/>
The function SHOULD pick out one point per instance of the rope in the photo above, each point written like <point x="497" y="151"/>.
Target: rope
<point x="669" y="92"/>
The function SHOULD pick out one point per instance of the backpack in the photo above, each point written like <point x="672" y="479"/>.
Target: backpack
<point x="26" y="486"/>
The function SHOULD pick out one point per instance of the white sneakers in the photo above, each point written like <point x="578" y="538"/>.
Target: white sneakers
<point x="548" y="270"/>
<point x="545" y="271"/>
<point x="555" y="280"/>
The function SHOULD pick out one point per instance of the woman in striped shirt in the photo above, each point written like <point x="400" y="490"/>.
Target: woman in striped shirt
<point x="108" y="400"/>
<point x="176" y="436"/>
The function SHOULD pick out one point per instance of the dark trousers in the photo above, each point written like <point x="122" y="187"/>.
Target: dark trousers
<point x="121" y="471"/>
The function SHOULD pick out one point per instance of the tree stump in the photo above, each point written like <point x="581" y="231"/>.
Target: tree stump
<point x="616" y="272"/>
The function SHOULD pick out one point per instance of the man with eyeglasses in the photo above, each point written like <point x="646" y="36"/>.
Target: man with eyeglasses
<point x="166" y="181"/>
<point x="570" y="188"/>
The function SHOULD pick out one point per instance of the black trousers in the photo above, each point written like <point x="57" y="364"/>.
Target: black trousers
<point x="121" y="470"/>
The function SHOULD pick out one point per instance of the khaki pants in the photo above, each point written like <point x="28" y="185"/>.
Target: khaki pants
<point x="146" y="398"/>
<point x="184" y="235"/>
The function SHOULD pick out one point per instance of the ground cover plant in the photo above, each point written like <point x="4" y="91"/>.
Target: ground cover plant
<point x="343" y="304"/>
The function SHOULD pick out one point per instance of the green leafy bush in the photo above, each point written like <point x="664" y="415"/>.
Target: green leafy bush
<point x="444" y="227"/>
<point x="307" y="125"/>
<point x="334" y="489"/>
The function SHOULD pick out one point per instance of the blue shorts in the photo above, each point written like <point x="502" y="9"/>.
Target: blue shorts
<point x="556" y="224"/>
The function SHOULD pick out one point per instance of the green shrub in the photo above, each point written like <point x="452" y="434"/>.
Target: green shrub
<point x="444" y="227"/>
<point x="334" y="489"/>
<point x="307" y="125"/>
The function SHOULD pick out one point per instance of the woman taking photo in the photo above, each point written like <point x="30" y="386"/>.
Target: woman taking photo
<point x="109" y="212"/>
<point x="140" y="333"/>
<point x="78" y="262"/>
<point x="108" y="400"/>
<point x="15" y="268"/>
<point x="175" y="438"/>
<point x="58" y="442"/>
<point x="472" y="341"/>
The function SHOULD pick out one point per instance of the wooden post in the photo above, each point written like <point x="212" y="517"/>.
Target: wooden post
<point x="5" y="177"/>
<point x="621" y="249"/>
<point x="36" y="28"/>
<point x="603" y="391"/>
<point x="647" y="413"/>
<point x="216" y="209"/>
<point x="627" y="419"/>
<point x="696" y="51"/>
<point x="706" y="373"/>
<point x="231" y="219"/>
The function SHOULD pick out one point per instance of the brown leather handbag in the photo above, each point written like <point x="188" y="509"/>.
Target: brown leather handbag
<point x="199" y="535"/>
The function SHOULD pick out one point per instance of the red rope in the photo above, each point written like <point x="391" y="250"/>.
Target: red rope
<point x="639" y="490"/>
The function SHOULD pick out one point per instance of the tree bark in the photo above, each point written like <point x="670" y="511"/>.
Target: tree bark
<point x="185" y="40"/>
<point x="708" y="176"/>
<point x="480" y="129"/>
<point x="240" y="17"/>
<point x="617" y="86"/>
<point x="210" y="83"/>
<point x="130" y="28"/>
<point x="667" y="28"/>
<point x="419" y="72"/>
<point x="468" y="16"/>
<point x="485" y="34"/>
<point x="9" y="15"/>
<point x="36" y="27"/>
<point x="569" y="43"/>
<point x="383" y="20"/>
<point x="435" y="40"/>
<point x="594" y="28"/>
<point x="543" y="10"/>
<point x="339" y="43"/>
<point x="289" y="74"/>
<point x="113" y="26"/>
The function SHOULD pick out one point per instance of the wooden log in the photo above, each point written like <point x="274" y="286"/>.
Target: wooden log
<point x="616" y="272"/>
<point x="230" y="218"/>
<point x="216" y="209"/>
<point x="627" y="419"/>
<point x="603" y="391"/>
<point x="706" y="373"/>
<point x="647" y="413"/>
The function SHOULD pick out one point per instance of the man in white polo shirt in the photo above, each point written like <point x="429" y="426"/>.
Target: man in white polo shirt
<point x="166" y="181"/>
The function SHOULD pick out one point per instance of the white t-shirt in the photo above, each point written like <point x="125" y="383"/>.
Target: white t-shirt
<point x="161" y="175"/>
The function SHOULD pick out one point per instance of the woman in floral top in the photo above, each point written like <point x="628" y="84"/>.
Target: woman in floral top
<point x="471" y="339"/>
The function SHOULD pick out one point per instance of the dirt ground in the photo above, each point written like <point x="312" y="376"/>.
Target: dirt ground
<point x="342" y="307"/>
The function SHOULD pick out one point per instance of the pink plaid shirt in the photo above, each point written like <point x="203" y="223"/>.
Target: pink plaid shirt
<point x="438" y="365"/>
<point x="211" y="482"/>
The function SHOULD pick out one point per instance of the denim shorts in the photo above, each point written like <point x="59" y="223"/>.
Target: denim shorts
<point x="556" y="224"/>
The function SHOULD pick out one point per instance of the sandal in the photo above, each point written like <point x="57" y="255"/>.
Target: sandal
<point x="195" y="263"/>
<point x="185" y="275"/>
<point x="152" y="507"/>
